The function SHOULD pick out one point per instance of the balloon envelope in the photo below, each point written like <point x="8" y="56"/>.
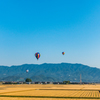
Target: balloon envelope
<point x="27" y="71"/>
<point x="63" y="53"/>
<point x="37" y="55"/>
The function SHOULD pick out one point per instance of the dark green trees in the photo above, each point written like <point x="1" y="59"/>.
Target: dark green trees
<point x="66" y="82"/>
<point x="28" y="80"/>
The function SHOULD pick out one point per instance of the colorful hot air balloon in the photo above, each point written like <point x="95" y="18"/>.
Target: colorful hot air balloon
<point x="27" y="71"/>
<point x="63" y="53"/>
<point x="37" y="55"/>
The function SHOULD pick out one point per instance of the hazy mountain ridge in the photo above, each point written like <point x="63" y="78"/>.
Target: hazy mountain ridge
<point x="50" y="72"/>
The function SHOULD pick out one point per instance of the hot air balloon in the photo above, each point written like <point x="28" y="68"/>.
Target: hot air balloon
<point x="63" y="53"/>
<point x="37" y="55"/>
<point x="27" y="71"/>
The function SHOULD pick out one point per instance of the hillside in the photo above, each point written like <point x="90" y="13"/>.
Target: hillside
<point x="50" y="72"/>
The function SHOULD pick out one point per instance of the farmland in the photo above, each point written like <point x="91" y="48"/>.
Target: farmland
<point x="49" y="92"/>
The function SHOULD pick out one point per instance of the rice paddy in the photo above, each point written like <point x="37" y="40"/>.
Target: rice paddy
<point x="49" y="92"/>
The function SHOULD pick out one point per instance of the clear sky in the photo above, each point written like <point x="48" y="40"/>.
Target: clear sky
<point x="50" y="27"/>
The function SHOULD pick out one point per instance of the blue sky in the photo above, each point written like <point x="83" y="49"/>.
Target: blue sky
<point x="50" y="27"/>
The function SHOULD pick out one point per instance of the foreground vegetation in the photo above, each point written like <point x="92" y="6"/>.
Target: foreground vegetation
<point x="52" y="92"/>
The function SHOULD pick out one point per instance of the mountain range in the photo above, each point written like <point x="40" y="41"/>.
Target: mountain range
<point x="50" y="72"/>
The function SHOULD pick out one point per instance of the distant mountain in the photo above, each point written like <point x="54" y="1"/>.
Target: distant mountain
<point x="50" y="72"/>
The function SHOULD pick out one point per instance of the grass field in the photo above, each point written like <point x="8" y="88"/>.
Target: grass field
<point x="49" y="92"/>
